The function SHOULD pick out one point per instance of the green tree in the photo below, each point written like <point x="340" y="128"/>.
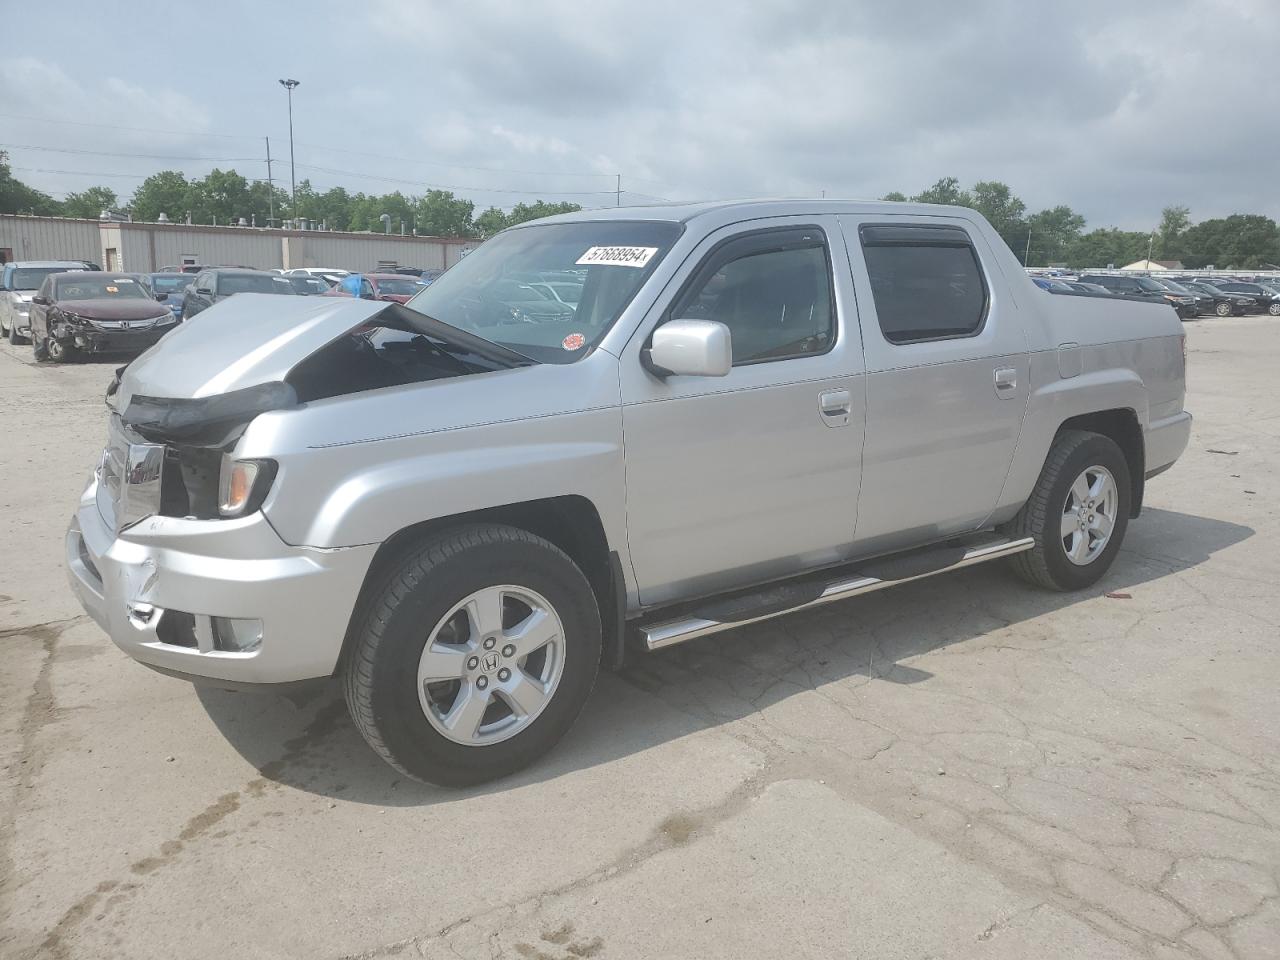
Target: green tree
<point x="441" y="214"/>
<point x="896" y="196"/>
<point x="1173" y="224"/>
<point x="995" y="201"/>
<point x="524" y="212"/>
<point x="332" y="208"/>
<point x="17" y="197"/>
<point x="164" y="192"/>
<point x="1107" y="245"/>
<point x="89" y="204"/>
<point x="490" y="222"/>
<point x="1053" y="232"/>
<point x="947" y="191"/>
<point x="367" y="212"/>
<point x="1241" y="241"/>
<point x="224" y="196"/>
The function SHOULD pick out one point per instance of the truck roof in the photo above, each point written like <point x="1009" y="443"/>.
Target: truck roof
<point x="685" y="212"/>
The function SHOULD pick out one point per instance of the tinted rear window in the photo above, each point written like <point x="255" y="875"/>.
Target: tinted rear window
<point x="924" y="289"/>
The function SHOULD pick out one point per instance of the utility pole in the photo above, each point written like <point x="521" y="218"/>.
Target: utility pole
<point x="271" y="187"/>
<point x="1027" y="253"/>
<point x="293" y="180"/>
<point x="617" y="197"/>
<point x="1151" y="240"/>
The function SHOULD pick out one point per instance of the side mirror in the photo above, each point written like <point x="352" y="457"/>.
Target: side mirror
<point x="689" y="348"/>
<point x="204" y="291"/>
<point x="42" y="301"/>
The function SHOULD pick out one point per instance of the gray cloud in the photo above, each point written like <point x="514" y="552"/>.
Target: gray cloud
<point x="1115" y="109"/>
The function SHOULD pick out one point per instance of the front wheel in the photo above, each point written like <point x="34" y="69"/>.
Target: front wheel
<point x="475" y="656"/>
<point x="1223" y="309"/>
<point x="58" y="351"/>
<point x="1274" y="309"/>
<point x="15" y="337"/>
<point x="1077" y="514"/>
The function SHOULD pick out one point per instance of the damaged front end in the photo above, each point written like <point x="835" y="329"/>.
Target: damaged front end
<point x="179" y="410"/>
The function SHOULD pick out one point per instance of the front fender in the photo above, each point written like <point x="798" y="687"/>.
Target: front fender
<point x="361" y="493"/>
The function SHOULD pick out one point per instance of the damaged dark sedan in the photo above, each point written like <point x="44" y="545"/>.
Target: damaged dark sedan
<point x="95" y="312"/>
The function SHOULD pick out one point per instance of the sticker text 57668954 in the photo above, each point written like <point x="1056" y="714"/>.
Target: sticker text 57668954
<point x="617" y="256"/>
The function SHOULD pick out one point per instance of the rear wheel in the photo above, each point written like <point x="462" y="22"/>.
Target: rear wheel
<point x="1222" y="309"/>
<point x="475" y="656"/>
<point x="1274" y="308"/>
<point x="1077" y="515"/>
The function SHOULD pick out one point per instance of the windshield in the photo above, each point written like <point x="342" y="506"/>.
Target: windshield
<point x="163" y="284"/>
<point x="397" y="287"/>
<point x="252" y="283"/>
<point x="1146" y="283"/>
<point x="307" y="285"/>
<point x="1175" y="287"/>
<point x="99" y="288"/>
<point x="30" y="278"/>
<point x="491" y="292"/>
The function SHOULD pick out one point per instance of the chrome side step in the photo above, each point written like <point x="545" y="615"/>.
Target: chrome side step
<point x="670" y="632"/>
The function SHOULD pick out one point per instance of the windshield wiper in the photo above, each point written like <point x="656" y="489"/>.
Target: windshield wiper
<point x="460" y="340"/>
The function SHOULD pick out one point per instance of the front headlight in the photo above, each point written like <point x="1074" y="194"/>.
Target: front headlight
<point x="243" y="485"/>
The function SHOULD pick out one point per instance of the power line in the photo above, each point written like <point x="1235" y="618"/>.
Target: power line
<point x="317" y="146"/>
<point x="445" y="186"/>
<point x="133" y="156"/>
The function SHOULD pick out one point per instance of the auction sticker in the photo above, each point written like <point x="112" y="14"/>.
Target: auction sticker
<point x="617" y="256"/>
<point x="573" y="341"/>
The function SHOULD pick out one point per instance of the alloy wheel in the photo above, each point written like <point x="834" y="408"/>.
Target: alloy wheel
<point x="491" y="665"/>
<point x="1089" y="515"/>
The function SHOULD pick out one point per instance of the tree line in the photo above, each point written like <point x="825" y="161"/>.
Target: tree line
<point x="1057" y="236"/>
<point x="224" y="196"/>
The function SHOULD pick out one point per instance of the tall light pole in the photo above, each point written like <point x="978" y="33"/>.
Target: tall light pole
<point x="293" y="182"/>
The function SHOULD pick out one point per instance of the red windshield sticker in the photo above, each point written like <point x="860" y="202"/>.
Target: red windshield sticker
<point x="573" y="341"/>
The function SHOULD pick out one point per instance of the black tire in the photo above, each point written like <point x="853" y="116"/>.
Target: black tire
<point x="1047" y="563"/>
<point x="15" y="338"/>
<point x="1274" y="309"/>
<point x="1223" y="309"/>
<point x="40" y="348"/>
<point x="59" y="352"/>
<point x="380" y="671"/>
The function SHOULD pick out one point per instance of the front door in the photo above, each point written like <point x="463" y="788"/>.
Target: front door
<point x="751" y="476"/>
<point x="947" y="370"/>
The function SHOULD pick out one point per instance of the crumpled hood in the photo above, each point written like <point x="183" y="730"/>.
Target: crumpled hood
<point x="244" y="341"/>
<point x="24" y="296"/>
<point x="132" y="309"/>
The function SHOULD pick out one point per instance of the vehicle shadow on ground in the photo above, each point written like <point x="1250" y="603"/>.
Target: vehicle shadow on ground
<point x="312" y="745"/>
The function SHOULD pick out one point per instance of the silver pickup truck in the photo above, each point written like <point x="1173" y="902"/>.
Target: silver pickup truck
<point x="462" y="507"/>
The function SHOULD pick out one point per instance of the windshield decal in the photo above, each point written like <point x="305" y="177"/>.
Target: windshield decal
<point x="574" y="341"/>
<point x="617" y="256"/>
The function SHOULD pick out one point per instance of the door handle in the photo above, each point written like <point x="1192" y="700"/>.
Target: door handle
<point x="835" y="406"/>
<point x="1006" y="380"/>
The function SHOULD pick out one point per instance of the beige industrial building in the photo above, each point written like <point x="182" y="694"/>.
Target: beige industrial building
<point x="146" y="247"/>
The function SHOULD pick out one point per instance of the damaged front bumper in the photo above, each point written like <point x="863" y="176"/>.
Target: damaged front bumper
<point x="184" y="596"/>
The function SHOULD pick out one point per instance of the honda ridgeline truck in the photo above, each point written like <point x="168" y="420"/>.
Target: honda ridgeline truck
<point x="463" y="506"/>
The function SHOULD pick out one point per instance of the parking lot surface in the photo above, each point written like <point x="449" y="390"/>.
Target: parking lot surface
<point x="962" y="767"/>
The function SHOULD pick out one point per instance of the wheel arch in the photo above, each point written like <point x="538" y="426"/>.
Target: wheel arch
<point x="1122" y="426"/>
<point x="571" y="522"/>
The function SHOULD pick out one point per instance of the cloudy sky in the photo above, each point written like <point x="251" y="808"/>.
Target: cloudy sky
<point x="1115" y="108"/>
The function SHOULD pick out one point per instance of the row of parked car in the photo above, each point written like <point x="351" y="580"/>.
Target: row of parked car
<point x="1190" y="296"/>
<point x="70" y="307"/>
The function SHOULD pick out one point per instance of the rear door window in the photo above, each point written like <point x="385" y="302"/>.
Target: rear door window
<point x="926" y="282"/>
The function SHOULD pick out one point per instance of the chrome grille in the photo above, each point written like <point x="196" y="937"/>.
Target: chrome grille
<point x="129" y="477"/>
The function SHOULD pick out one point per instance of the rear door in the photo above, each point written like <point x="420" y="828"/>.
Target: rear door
<point x="946" y="384"/>
<point x="753" y="475"/>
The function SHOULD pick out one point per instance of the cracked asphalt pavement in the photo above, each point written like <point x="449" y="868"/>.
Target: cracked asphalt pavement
<point x="962" y="767"/>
